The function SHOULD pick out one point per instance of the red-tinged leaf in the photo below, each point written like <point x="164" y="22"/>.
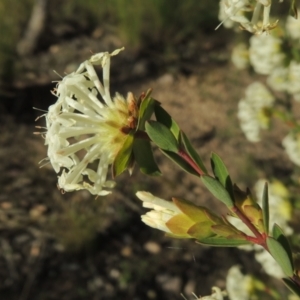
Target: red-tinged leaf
<point x="195" y="213"/>
<point x="254" y="214"/>
<point x="223" y="230"/>
<point x="179" y="224"/>
<point x="201" y="230"/>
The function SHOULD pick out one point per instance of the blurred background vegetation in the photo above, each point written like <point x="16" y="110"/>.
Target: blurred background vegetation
<point x="155" y="25"/>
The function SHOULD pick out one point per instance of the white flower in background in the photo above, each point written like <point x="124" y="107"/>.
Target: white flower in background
<point x="265" y="53"/>
<point x="254" y="110"/>
<point x="280" y="208"/>
<point x="278" y="79"/>
<point x="293" y="27"/>
<point x="84" y="128"/>
<point x="217" y="294"/>
<point x="291" y="144"/>
<point x="240" y="56"/>
<point x="238" y="286"/>
<point x="234" y="11"/>
<point x="223" y="17"/>
<point x="293" y="85"/>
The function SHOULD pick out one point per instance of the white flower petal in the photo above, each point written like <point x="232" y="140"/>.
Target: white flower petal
<point x="84" y="133"/>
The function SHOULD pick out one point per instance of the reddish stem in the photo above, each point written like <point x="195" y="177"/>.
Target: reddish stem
<point x="190" y="161"/>
<point x="260" y="238"/>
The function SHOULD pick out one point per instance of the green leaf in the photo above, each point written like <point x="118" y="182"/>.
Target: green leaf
<point x="217" y="189"/>
<point x="178" y="160"/>
<point x="279" y="236"/>
<point x="281" y="256"/>
<point x="221" y="173"/>
<point x="192" y="152"/>
<point x="161" y="136"/>
<point x="123" y="157"/>
<point x="265" y="208"/>
<point x="163" y="117"/>
<point x="293" y="287"/>
<point x="222" y="242"/>
<point x="143" y="155"/>
<point x="145" y="111"/>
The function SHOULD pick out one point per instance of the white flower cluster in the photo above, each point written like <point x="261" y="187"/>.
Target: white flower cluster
<point x="286" y="79"/>
<point x="235" y="11"/>
<point x="265" y="53"/>
<point x="238" y="286"/>
<point x="83" y="132"/>
<point x="291" y="143"/>
<point x="278" y="79"/>
<point x="254" y="110"/>
<point x="280" y="208"/>
<point x="266" y="57"/>
<point x="232" y="11"/>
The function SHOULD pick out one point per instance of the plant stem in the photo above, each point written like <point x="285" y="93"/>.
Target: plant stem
<point x="260" y="239"/>
<point x="191" y="162"/>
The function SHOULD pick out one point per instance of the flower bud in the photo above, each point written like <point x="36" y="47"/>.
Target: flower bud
<point x="182" y="219"/>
